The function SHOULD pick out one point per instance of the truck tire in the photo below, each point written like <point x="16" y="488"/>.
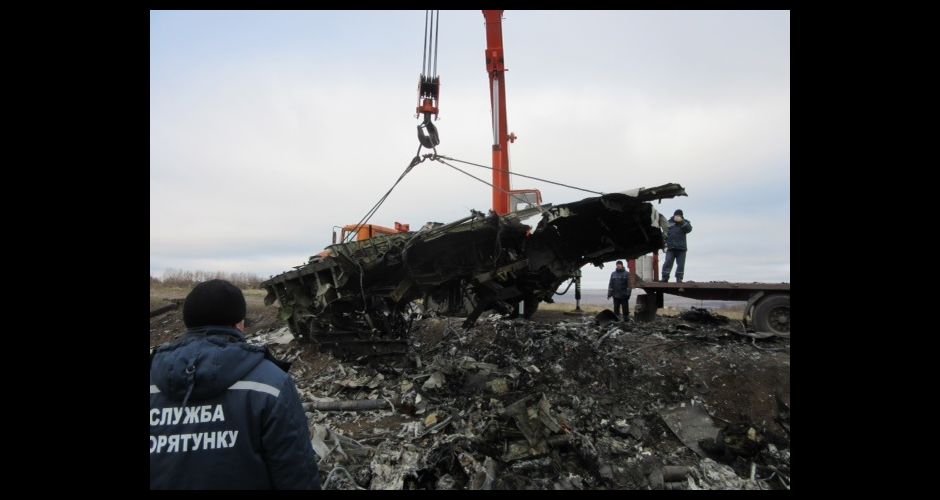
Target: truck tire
<point x="645" y="309"/>
<point x="529" y="306"/>
<point x="772" y="314"/>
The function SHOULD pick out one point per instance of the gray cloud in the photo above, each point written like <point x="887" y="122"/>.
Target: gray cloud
<point x="256" y="153"/>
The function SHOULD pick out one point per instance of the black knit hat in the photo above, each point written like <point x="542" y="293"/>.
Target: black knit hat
<point x="678" y="212"/>
<point x="214" y="302"/>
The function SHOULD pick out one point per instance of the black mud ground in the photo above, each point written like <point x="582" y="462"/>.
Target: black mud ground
<point x="589" y="400"/>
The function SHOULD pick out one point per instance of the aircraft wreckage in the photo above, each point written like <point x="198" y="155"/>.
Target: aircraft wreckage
<point x="365" y="293"/>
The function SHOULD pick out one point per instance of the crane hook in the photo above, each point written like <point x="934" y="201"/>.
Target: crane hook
<point x="429" y="140"/>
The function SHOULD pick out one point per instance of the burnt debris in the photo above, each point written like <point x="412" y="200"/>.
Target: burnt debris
<point x="370" y="290"/>
<point x="539" y="404"/>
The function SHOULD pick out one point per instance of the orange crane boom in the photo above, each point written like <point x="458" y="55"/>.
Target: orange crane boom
<point x="496" y="69"/>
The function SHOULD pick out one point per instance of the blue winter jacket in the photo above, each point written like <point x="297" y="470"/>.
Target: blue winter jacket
<point x="619" y="286"/>
<point x="675" y="234"/>
<point x="223" y="415"/>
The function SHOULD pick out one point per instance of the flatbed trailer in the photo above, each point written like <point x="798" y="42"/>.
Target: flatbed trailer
<point x="767" y="309"/>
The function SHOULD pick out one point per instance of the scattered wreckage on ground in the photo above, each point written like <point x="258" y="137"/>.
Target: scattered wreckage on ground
<point x="557" y="402"/>
<point x="363" y="293"/>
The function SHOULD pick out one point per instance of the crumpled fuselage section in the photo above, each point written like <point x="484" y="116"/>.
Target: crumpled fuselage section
<point x="466" y="267"/>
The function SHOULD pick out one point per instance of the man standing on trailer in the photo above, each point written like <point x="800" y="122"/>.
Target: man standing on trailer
<point x="676" y="246"/>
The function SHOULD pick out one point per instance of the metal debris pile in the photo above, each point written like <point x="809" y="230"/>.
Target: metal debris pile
<point x="464" y="268"/>
<point x="702" y="315"/>
<point x="568" y="404"/>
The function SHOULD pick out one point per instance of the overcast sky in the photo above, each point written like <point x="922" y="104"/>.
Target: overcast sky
<point x="269" y="128"/>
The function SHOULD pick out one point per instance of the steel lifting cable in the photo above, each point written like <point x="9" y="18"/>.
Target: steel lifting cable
<point x="566" y="288"/>
<point x="428" y="36"/>
<point x="424" y="56"/>
<point x="428" y="82"/>
<point x="418" y="159"/>
<point x="429" y="70"/>
<point x="365" y="218"/>
<point x="438" y="158"/>
<point x="522" y="175"/>
<point x="431" y="32"/>
<point x="437" y="31"/>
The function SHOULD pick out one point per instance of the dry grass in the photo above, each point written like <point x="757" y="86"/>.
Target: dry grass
<point x="570" y="307"/>
<point x="161" y="295"/>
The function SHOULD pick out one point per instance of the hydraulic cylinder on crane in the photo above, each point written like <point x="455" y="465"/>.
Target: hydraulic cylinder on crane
<point x="495" y="67"/>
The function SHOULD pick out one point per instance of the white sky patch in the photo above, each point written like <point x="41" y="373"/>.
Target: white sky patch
<point x="257" y="151"/>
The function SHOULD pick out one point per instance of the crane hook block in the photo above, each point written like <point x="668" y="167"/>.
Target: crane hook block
<point x="431" y="139"/>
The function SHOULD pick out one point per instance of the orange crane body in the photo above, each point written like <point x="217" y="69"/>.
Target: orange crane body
<point x="367" y="231"/>
<point x="496" y="68"/>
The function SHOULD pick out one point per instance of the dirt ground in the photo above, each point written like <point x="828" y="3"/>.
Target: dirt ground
<point x="169" y="326"/>
<point x="558" y="402"/>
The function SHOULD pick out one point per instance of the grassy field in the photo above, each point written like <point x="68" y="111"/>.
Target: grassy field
<point x="255" y="300"/>
<point x="160" y="296"/>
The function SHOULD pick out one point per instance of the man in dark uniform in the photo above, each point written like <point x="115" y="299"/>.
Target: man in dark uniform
<point x="619" y="289"/>
<point x="225" y="414"/>
<point x="676" y="246"/>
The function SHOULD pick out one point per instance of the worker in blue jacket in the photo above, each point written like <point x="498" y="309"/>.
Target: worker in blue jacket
<point x="676" y="247"/>
<point x="225" y="414"/>
<point x="619" y="289"/>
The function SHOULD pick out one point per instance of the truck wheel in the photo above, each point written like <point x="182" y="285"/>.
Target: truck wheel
<point x="514" y="309"/>
<point x="529" y="306"/>
<point x="772" y="314"/>
<point x="645" y="309"/>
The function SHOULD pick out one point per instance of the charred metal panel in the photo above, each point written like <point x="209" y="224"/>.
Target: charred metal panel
<point x="466" y="267"/>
